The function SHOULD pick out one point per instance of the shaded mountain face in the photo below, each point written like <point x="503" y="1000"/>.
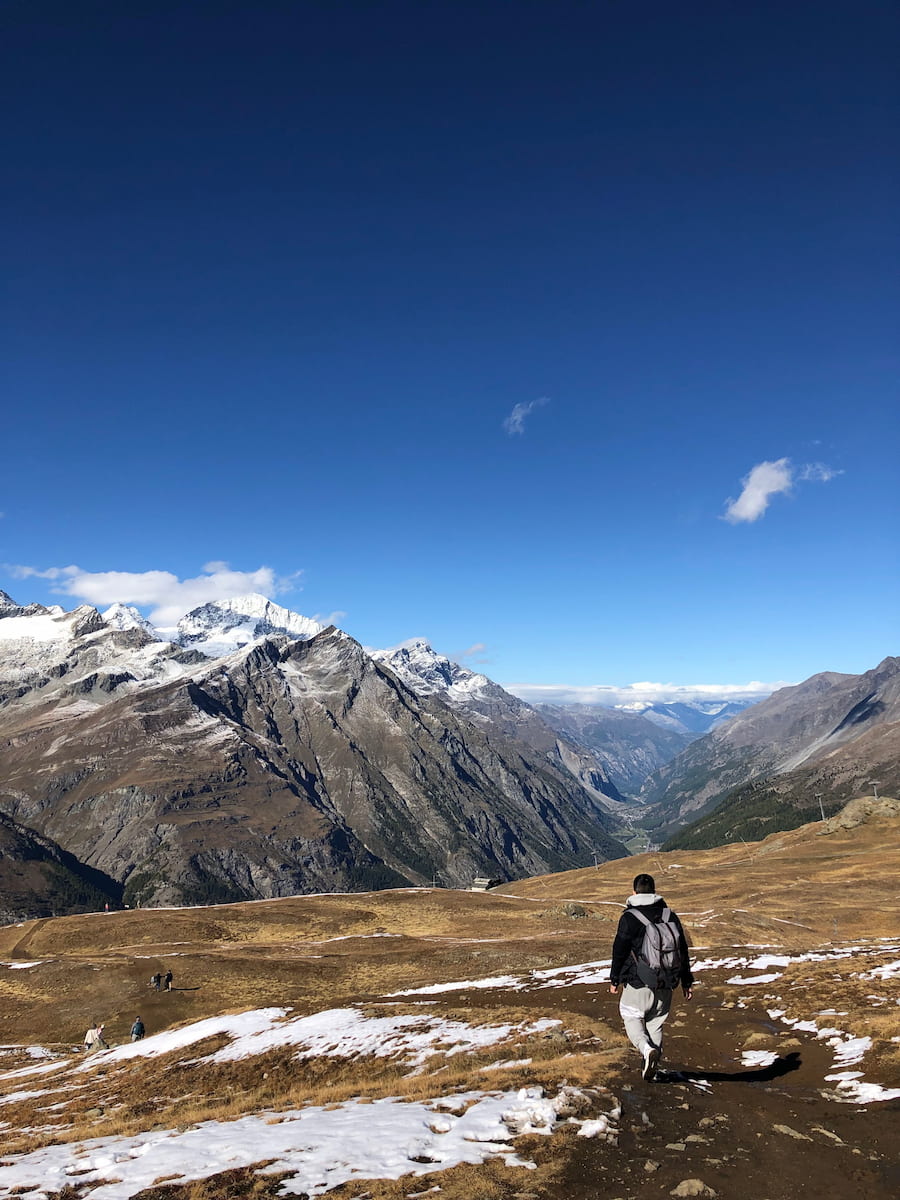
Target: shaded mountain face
<point x="40" y="879"/>
<point x="628" y="745"/>
<point x="294" y="764"/>
<point x="492" y="708"/>
<point x="829" y="734"/>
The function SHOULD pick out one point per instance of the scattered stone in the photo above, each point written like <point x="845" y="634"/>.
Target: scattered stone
<point x="645" y="1120"/>
<point x="827" y="1133"/>
<point x="650" y="1166"/>
<point x="786" y="1129"/>
<point x="692" y="1187"/>
<point x="706" y="1122"/>
<point x="675" y="1146"/>
<point x="696" y="1137"/>
<point x="756" y="1039"/>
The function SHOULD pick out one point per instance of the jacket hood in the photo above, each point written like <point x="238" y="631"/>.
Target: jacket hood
<point x="643" y="900"/>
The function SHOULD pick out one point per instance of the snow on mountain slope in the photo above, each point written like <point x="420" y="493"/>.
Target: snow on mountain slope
<point x="39" y="624"/>
<point x="223" y="626"/>
<point x="126" y="616"/>
<point x="426" y="672"/>
<point x="694" y="717"/>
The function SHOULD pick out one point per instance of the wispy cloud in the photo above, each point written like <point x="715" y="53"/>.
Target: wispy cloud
<point x="610" y="696"/>
<point x="768" y="479"/>
<point x="477" y="652"/>
<point x="332" y="618"/>
<point x="515" y="422"/>
<point x="167" y="596"/>
<point x="817" y="472"/>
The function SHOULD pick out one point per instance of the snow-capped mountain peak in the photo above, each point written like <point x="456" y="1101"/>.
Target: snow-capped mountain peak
<point x="223" y="626"/>
<point x="126" y="616"/>
<point x="426" y="671"/>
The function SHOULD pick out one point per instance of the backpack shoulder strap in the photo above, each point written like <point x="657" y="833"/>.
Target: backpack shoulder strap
<point x="666" y="914"/>
<point x="640" y="916"/>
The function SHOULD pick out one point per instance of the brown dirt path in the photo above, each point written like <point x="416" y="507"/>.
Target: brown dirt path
<point x="722" y="1129"/>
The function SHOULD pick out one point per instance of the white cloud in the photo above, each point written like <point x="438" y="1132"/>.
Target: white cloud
<point x="167" y="596"/>
<point x="332" y="618"/>
<point x="768" y="479"/>
<point x="609" y="695"/>
<point x="818" y="472"/>
<point x="477" y="651"/>
<point x="515" y="422"/>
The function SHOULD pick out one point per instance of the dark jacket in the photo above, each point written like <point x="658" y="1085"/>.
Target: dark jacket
<point x="137" y="1029"/>
<point x="630" y="938"/>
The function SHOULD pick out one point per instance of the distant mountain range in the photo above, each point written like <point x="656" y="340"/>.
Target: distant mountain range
<point x="251" y="753"/>
<point x="768" y="767"/>
<point x="691" y="717"/>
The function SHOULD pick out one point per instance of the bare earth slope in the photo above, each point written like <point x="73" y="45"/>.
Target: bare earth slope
<point x="427" y="1007"/>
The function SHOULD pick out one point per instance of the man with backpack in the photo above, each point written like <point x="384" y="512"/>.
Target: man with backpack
<point x="649" y="959"/>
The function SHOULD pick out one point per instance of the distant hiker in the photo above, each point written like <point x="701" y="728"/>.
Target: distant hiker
<point x="94" y="1039"/>
<point x="156" y="980"/>
<point x="137" y="1030"/>
<point x="168" y="981"/>
<point x="649" y="959"/>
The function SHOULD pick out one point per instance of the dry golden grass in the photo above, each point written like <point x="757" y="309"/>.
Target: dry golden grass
<point x="795" y="892"/>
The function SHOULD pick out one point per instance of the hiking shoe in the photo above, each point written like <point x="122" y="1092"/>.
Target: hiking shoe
<point x="651" y="1062"/>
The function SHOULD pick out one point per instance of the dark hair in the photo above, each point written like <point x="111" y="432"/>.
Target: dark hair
<point x="644" y="885"/>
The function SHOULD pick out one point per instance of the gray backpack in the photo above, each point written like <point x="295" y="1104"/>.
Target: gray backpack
<point x="659" y="962"/>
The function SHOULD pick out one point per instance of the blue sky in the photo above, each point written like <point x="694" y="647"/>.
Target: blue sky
<point x="561" y="334"/>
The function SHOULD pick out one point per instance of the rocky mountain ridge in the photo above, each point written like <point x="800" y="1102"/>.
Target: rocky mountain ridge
<point x="827" y="737"/>
<point x="298" y="762"/>
<point x="428" y="673"/>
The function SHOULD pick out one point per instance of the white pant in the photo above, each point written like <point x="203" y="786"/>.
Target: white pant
<point x="644" y="1011"/>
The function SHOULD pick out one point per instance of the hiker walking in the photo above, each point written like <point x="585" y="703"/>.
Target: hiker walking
<point x="168" y="981"/>
<point x="156" y="980"/>
<point x="649" y="959"/>
<point x="94" y="1039"/>
<point x="137" y="1030"/>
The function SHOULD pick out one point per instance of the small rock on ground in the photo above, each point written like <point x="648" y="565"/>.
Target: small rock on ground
<point x="692" y="1187"/>
<point x="786" y="1129"/>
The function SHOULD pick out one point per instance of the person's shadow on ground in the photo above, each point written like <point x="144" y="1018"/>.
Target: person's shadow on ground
<point x="783" y="1065"/>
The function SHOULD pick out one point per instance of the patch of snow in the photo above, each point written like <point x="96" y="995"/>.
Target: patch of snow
<point x="13" y="1097"/>
<point x="321" y="1148"/>
<point x="347" y="1033"/>
<point x="754" y="979"/>
<point x="852" y="1091"/>
<point x="889" y="971"/>
<point x="758" y="1058"/>
<point x="495" y="981"/>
